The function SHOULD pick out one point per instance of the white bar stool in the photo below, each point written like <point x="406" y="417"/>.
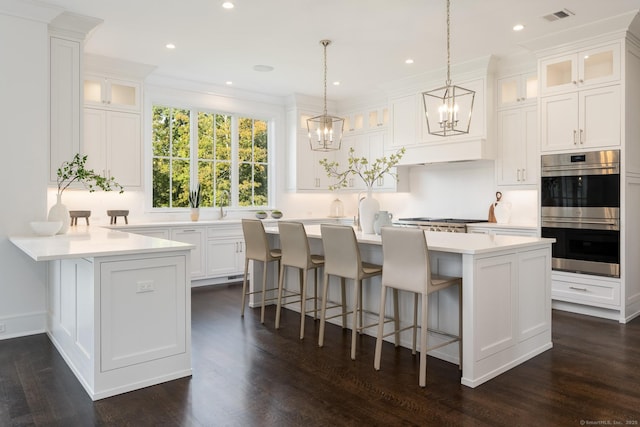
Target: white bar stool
<point x="257" y="249"/>
<point x="406" y="267"/>
<point x="296" y="253"/>
<point x="342" y="259"/>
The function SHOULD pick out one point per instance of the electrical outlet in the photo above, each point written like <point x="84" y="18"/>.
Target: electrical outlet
<point x="145" y="286"/>
<point x="3" y="328"/>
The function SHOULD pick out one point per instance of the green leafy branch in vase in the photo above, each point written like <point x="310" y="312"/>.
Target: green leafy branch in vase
<point x="369" y="172"/>
<point x="75" y="171"/>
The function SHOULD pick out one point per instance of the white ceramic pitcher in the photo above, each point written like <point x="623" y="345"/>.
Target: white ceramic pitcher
<point x="381" y="219"/>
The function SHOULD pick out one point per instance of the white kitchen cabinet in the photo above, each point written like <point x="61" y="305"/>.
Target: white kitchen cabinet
<point x="404" y="122"/>
<point x="112" y="143"/>
<point x="575" y="288"/>
<point x="225" y="257"/>
<point x="517" y="137"/>
<point x="516" y="305"/>
<point x="310" y="175"/>
<point x="582" y="69"/>
<point x="369" y="145"/>
<point x="195" y="236"/>
<point x="65" y="102"/>
<point x="225" y="251"/>
<point x="517" y="90"/>
<point x="581" y="119"/>
<point x="112" y="93"/>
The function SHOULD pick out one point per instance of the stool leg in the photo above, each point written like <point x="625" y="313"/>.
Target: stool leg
<point x="280" y="290"/>
<point x="378" y="353"/>
<point x="360" y="302"/>
<point x="423" y="342"/>
<point x="315" y="291"/>
<point x="323" y="310"/>
<point x="244" y="285"/>
<point x="460" y="324"/>
<point x="264" y="289"/>
<point x="396" y="316"/>
<point x="344" y="302"/>
<point x="356" y="308"/>
<point x="87" y="219"/>
<point x="126" y="221"/>
<point x="415" y="322"/>
<point x="303" y="300"/>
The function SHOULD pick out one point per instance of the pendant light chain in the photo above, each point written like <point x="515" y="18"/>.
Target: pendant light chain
<point x="448" y="44"/>
<point x="325" y="43"/>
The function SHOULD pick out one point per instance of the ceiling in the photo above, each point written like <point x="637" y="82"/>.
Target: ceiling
<point x="371" y="39"/>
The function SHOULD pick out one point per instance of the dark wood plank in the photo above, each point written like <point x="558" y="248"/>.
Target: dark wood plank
<point x="249" y="374"/>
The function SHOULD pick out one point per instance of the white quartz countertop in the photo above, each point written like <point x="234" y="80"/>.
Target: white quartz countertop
<point x="90" y="242"/>
<point x="463" y="243"/>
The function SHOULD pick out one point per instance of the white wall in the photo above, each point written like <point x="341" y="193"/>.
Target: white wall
<point x="24" y="122"/>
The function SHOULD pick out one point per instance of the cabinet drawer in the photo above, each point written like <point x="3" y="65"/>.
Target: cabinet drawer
<point x="603" y="293"/>
<point x="224" y="231"/>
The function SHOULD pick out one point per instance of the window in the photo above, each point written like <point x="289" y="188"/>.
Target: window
<point x="227" y="155"/>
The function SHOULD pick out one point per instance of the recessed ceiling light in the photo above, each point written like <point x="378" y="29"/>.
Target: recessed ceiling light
<point x="336" y="83"/>
<point x="518" y="27"/>
<point x="170" y="46"/>
<point x="228" y="5"/>
<point x="408" y="61"/>
<point x="263" y="68"/>
<point x="228" y="82"/>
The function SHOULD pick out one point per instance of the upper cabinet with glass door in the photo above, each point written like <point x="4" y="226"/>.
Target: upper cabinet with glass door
<point x="518" y="90"/>
<point x="115" y="94"/>
<point x="366" y="120"/>
<point x="576" y="70"/>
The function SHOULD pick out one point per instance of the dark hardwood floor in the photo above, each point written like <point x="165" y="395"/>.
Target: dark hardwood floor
<point x="248" y="374"/>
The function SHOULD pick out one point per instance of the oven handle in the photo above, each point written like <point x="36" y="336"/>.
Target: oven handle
<point x="572" y="223"/>
<point x="566" y="169"/>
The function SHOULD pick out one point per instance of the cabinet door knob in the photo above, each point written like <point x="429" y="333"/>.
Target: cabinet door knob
<point x="581" y="81"/>
<point x="581" y="136"/>
<point x="524" y="175"/>
<point x="575" y="82"/>
<point x="575" y="137"/>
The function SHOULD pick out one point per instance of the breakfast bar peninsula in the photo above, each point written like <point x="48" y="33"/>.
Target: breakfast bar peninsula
<point x="118" y="306"/>
<point x="506" y="292"/>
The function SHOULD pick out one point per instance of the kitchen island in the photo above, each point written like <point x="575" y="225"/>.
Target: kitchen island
<point x="506" y="317"/>
<point x="118" y="306"/>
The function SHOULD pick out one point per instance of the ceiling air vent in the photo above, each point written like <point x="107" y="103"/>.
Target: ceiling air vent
<point x="564" y="13"/>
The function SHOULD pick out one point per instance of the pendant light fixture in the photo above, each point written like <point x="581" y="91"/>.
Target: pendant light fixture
<point x="325" y="131"/>
<point x="448" y="109"/>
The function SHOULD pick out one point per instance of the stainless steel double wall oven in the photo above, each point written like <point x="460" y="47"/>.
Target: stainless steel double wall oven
<point x="580" y="198"/>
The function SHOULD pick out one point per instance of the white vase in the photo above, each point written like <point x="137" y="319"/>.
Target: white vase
<point x="195" y="214"/>
<point x="368" y="209"/>
<point x="59" y="212"/>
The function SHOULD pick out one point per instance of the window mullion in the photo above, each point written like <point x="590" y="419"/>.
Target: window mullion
<point x="193" y="149"/>
<point x="235" y="164"/>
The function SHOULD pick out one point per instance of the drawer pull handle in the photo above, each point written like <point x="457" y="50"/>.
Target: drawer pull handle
<point x="578" y="289"/>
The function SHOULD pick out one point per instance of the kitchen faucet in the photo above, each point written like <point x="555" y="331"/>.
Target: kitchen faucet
<point x="227" y="196"/>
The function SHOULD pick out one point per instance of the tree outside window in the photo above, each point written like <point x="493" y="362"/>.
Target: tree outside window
<point x="228" y="157"/>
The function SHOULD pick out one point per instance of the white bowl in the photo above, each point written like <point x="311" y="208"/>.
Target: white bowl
<point x="46" y="228"/>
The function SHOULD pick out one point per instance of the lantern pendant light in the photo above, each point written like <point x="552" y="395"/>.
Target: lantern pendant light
<point x="325" y="131"/>
<point x="448" y="108"/>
